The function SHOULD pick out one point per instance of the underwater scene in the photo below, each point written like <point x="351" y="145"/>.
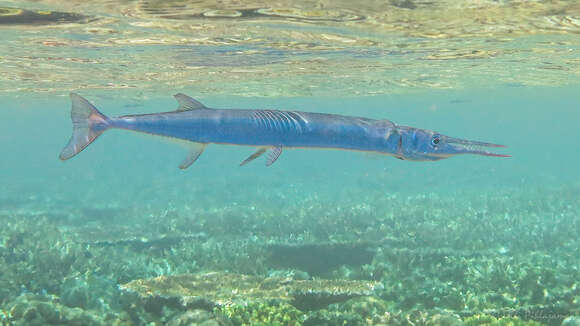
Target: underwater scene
<point x="407" y="233"/>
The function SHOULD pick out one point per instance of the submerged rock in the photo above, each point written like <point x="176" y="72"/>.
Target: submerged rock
<point x="209" y="290"/>
<point x="318" y="258"/>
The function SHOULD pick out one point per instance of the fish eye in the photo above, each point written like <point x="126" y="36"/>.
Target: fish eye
<point x="435" y="140"/>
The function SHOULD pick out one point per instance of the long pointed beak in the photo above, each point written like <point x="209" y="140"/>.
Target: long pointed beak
<point x="463" y="146"/>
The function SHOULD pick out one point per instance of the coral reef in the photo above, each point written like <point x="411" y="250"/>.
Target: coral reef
<point x="571" y="321"/>
<point x="218" y="288"/>
<point x="262" y="314"/>
<point x="35" y="310"/>
<point x="486" y="320"/>
<point x="432" y="259"/>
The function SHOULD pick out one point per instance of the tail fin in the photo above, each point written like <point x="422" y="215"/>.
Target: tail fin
<point x="88" y="124"/>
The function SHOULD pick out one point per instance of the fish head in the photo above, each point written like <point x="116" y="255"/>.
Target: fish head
<point x="427" y="145"/>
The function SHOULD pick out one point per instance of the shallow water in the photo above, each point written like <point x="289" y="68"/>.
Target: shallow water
<point x="454" y="238"/>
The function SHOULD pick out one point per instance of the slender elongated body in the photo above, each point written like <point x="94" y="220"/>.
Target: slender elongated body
<point x="269" y="130"/>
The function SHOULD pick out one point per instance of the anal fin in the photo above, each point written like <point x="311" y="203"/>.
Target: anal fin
<point x="194" y="152"/>
<point x="273" y="155"/>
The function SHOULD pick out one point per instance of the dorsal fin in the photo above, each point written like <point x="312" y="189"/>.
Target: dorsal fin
<point x="187" y="103"/>
<point x="384" y="123"/>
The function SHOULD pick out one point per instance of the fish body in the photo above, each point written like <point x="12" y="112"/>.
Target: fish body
<point x="266" y="128"/>
<point x="269" y="130"/>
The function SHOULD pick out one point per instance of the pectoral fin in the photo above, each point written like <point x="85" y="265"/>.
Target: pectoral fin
<point x="273" y="155"/>
<point x="254" y="156"/>
<point x="194" y="152"/>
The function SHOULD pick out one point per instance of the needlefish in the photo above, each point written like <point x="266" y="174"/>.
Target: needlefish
<point x="271" y="131"/>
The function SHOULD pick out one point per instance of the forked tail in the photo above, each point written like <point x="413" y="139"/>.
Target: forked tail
<point x="88" y="124"/>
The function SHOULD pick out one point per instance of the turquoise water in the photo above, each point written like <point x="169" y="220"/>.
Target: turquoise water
<point x="537" y="125"/>
<point x="118" y="235"/>
<point x="127" y="186"/>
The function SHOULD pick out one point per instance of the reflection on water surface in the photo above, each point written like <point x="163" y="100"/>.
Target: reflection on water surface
<point x="287" y="48"/>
